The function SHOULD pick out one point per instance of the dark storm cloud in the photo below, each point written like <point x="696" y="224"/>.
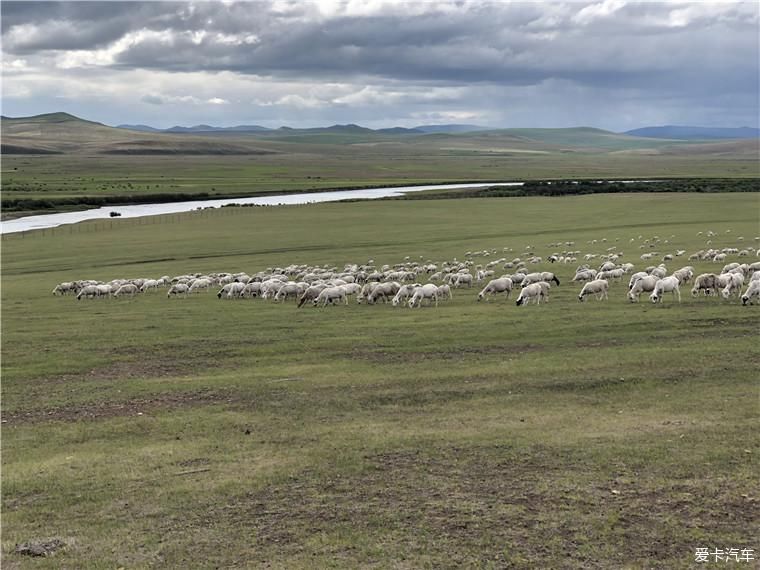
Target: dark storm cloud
<point x="516" y="43"/>
<point x="676" y="51"/>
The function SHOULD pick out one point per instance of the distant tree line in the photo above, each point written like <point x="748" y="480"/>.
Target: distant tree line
<point x="581" y="187"/>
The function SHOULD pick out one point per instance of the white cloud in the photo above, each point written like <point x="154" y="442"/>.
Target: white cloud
<point x="597" y="11"/>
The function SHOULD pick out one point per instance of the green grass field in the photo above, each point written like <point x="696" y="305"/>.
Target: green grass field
<point x="178" y="433"/>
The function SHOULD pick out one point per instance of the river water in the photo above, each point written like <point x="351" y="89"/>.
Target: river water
<point x="54" y="220"/>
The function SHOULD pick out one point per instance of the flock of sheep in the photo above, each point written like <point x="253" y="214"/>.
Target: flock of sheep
<point x="401" y="284"/>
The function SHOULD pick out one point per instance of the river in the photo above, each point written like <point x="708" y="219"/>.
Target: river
<point x="45" y="221"/>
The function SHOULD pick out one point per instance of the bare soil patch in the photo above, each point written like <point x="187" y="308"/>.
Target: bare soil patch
<point x="132" y="407"/>
<point x="493" y="507"/>
<point x="464" y="353"/>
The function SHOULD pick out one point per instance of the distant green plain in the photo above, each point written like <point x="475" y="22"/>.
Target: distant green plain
<point x="177" y="433"/>
<point x="63" y="176"/>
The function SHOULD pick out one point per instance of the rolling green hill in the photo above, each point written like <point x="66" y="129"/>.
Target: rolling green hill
<point x="65" y="133"/>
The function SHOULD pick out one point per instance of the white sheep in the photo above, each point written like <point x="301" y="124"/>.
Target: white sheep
<point x="386" y="290"/>
<point x="659" y="271"/>
<point x="251" y="290"/>
<point x="104" y="290"/>
<point x="444" y="292"/>
<point x="635" y="277"/>
<point x="332" y="295"/>
<point x="178" y="289"/>
<point x="290" y="289"/>
<point x="404" y="292"/>
<point x="428" y="291"/>
<point x="598" y="287"/>
<point x="149" y="284"/>
<point x="126" y="289"/>
<point x="684" y="274"/>
<point x="610" y="274"/>
<point x="707" y="283"/>
<point x="585" y="275"/>
<point x="200" y="285"/>
<point x="236" y="290"/>
<point x="666" y="285"/>
<point x="311" y="293"/>
<point x="64" y="288"/>
<point x="752" y="291"/>
<point x="462" y="279"/>
<point x="352" y="289"/>
<point x="644" y="284"/>
<point x="496" y="286"/>
<point x="545" y="276"/>
<point x="88" y="292"/>
<point x="734" y="285"/>
<point x="535" y="291"/>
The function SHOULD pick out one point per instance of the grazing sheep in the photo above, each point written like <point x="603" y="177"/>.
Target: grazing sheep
<point x="366" y="290"/>
<point x="311" y="293"/>
<point x="290" y="289"/>
<point x="386" y="290"/>
<point x="149" y="284"/>
<point x="178" y="289"/>
<point x="428" y="291"/>
<point x="64" y="288"/>
<point x="236" y="290"/>
<point x="403" y="294"/>
<point x="352" y="289"/>
<point x="444" y="292"/>
<point x="610" y="274"/>
<point x="495" y="286"/>
<point x="684" y="274"/>
<point x="598" y="287"/>
<point x="723" y="280"/>
<point x="635" y="277"/>
<point x="659" y="271"/>
<point x="545" y="276"/>
<point x="88" y="292"/>
<point x="734" y="285"/>
<point x="332" y="295"/>
<point x="707" y="283"/>
<point x="127" y="289"/>
<point x="224" y="290"/>
<point x="104" y="290"/>
<point x="462" y="279"/>
<point x="251" y="290"/>
<point x="200" y="285"/>
<point x="585" y="275"/>
<point x="535" y="291"/>
<point x="666" y="285"/>
<point x="644" y="284"/>
<point x="752" y="291"/>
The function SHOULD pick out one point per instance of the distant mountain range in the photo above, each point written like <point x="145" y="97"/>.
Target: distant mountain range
<point x="665" y="132"/>
<point x="65" y="133"/>
<point x="671" y="132"/>
<point x="350" y="128"/>
<point x="695" y="133"/>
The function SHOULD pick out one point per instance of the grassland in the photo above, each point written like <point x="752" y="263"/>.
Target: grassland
<point x="204" y="433"/>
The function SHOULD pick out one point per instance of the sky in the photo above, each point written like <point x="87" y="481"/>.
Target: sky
<point x="609" y="64"/>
